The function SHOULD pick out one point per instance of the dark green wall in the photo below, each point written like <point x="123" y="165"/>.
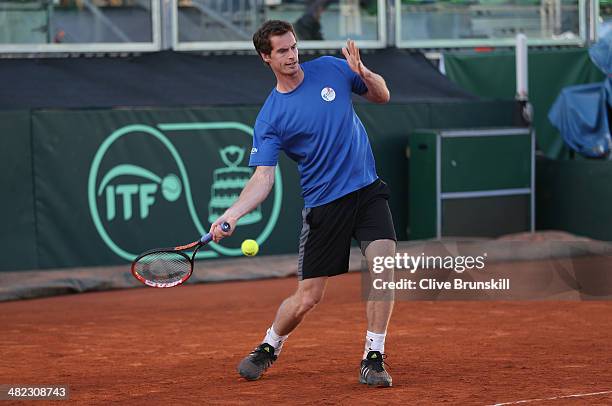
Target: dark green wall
<point x="575" y="196"/>
<point x="17" y="218"/>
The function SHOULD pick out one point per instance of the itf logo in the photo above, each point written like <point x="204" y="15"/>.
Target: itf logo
<point x="143" y="193"/>
<point x="139" y="190"/>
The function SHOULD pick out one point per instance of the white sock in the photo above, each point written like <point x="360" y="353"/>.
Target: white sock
<point x="274" y="340"/>
<point x="374" y="342"/>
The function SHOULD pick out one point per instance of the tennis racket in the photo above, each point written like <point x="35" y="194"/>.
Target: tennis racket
<point x="169" y="267"/>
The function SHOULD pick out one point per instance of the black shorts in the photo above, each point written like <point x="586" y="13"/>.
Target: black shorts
<point x="325" y="241"/>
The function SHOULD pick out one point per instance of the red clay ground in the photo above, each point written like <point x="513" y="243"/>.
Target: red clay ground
<point x="181" y="345"/>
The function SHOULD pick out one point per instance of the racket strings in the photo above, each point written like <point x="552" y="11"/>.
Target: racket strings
<point x="163" y="267"/>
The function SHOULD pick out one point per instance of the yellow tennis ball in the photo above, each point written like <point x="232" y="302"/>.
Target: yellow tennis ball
<point x="249" y="248"/>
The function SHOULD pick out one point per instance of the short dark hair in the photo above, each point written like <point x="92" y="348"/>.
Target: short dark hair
<point x="261" y="38"/>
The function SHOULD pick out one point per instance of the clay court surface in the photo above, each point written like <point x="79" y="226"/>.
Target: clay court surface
<point x="181" y="346"/>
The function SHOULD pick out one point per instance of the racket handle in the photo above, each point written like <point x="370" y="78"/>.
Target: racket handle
<point x="208" y="237"/>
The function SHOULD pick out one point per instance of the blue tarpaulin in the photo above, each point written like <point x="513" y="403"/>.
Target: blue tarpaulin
<point x="580" y="113"/>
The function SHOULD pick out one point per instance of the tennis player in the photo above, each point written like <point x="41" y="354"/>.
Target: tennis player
<point x="309" y="115"/>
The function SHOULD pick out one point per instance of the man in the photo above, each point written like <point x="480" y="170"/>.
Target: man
<point x="310" y="116"/>
<point x="308" y="26"/>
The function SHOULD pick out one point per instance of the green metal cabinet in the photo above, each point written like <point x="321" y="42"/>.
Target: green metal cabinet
<point x="471" y="183"/>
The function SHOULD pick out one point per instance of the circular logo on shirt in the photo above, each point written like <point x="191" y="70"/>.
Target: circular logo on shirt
<point x="328" y="94"/>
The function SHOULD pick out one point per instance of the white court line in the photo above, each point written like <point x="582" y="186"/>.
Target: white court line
<point x="553" y="398"/>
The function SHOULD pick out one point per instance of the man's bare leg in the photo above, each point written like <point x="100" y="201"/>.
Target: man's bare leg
<point x="289" y="315"/>
<point x="293" y="309"/>
<point x="380" y="305"/>
<point x="378" y="312"/>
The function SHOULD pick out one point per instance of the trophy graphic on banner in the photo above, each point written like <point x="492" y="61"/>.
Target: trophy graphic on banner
<point x="228" y="183"/>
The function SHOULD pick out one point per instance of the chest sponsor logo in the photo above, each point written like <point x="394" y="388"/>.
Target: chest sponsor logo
<point x="328" y="94"/>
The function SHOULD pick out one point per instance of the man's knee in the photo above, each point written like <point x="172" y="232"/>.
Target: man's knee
<point x="308" y="298"/>
<point x="377" y="248"/>
<point x="307" y="303"/>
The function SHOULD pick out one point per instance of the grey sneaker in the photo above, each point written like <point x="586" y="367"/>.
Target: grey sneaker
<point x="373" y="371"/>
<point x="255" y="364"/>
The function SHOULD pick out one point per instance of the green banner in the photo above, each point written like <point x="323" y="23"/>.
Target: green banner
<point x="493" y="75"/>
<point x="111" y="184"/>
<point x="97" y="187"/>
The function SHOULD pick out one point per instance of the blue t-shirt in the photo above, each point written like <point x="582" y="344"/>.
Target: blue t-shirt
<point x="316" y="125"/>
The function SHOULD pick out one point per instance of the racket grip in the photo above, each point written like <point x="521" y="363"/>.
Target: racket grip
<point x="208" y="237"/>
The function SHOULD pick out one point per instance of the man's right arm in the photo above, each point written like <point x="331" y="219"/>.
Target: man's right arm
<point x="255" y="192"/>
